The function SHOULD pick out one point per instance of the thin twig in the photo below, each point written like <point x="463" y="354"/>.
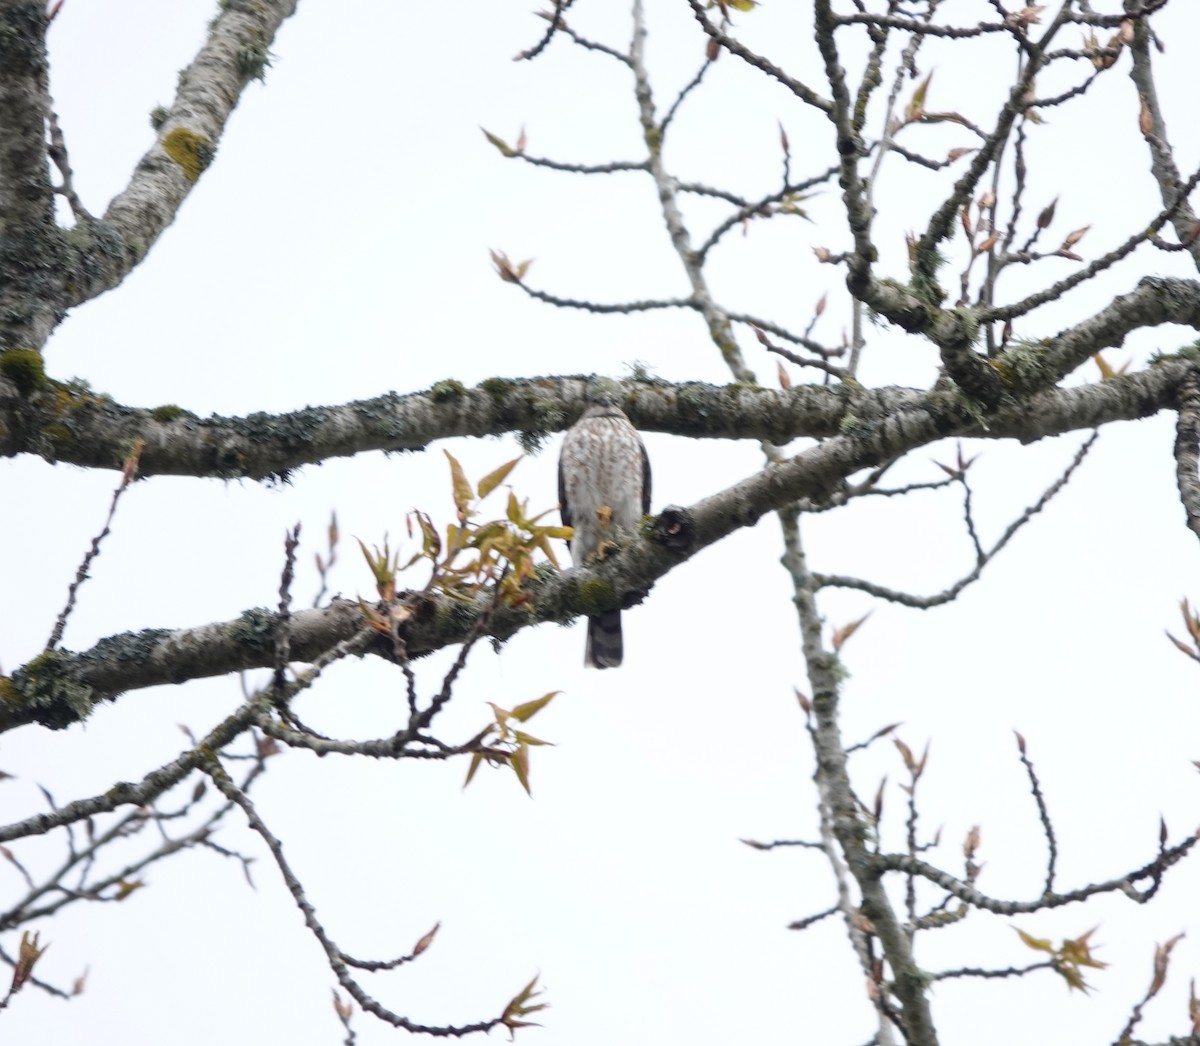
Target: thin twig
<point x="1043" y="815"/>
<point x="128" y="473"/>
<point x="57" y="151"/>
<point x="333" y="954"/>
<point x="949" y="594"/>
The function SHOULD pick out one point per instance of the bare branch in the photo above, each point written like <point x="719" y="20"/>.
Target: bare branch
<point x="967" y="893"/>
<point x="809" y="920"/>
<point x="687" y="89"/>
<point x="618" y="308"/>
<point x="982" y="559"/>
<point x="1107" y="261"/>
<point x="235" y="53"/>
<point x="336" y="957"/>
<point x="81" y="575"/>
<point x="975" y="971"/>
<point x="1043" y="816"/>
<point x="800" y="90"/>
<point x="57" y="151"/>
<point x="556" y="24"/>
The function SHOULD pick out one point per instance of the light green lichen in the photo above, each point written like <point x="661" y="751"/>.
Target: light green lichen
<point x="253" y="61"/>
<point x="47" y="685"/>
<point x="1025" y="365"/>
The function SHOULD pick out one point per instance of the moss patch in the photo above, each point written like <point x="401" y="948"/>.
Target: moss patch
<point x="447" y="390"/>
<point x="167" y="412"/>
<point x="25" y="368"/>
<point x="497" y="388"/>
<point x="596" y="596"/>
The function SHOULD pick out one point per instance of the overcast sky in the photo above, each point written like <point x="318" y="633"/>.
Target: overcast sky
<point x="338" y="248"/>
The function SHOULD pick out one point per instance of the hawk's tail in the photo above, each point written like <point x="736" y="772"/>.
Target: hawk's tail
<point x="604" y="645"/>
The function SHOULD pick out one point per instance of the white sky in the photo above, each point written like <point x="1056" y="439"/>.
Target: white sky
<point x="337" y="249"/>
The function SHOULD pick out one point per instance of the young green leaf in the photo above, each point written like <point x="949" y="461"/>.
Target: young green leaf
<point x="493" y="479"/>
<point x="524" y="712"/>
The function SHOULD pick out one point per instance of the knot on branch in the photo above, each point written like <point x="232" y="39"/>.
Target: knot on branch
<point x="675" y="529"/>
<point x="974" y="375"/>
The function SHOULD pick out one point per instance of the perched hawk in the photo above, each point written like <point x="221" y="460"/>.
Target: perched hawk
<point x="603" y="486"/>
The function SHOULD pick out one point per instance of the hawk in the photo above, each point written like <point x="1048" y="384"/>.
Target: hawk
<point x="603" y="487"/>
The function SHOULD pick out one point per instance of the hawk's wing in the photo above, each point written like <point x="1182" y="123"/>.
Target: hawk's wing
<point x="563" y="504"/>
<point x="645" y="480"/>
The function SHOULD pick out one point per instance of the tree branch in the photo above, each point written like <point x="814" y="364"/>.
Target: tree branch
<point x="336" y="958"/>
<point x="30" y="254"/>
<point x="62" y="423"/>
<point x="1187" y="450"/>
<point x="967" y="893"/>
<point x="235" y="53"/>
